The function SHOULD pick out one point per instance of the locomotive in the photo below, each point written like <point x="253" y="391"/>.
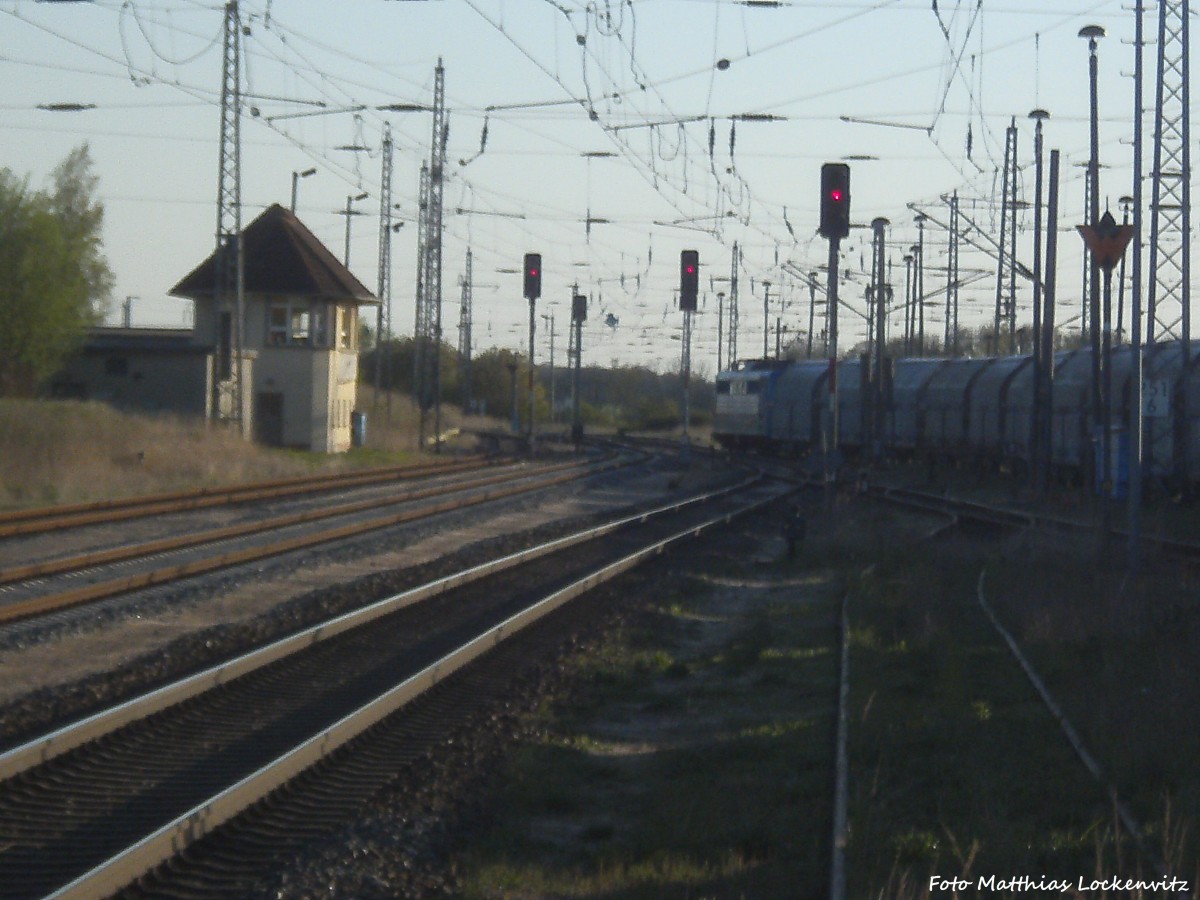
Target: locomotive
<point x="970" y="409"/>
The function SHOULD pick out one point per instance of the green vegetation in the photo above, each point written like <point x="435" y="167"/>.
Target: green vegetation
<point x="954" y="758"/>
<point x="694" y="757"/>
<point x="629" y="397"/>
<point x="1120" y="656"/>
<point x="54" y="280"/>
<point x="691" y="758"/>
<point x="958" y="769"/>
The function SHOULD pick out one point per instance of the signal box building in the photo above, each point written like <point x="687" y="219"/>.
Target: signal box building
<point x="299" y="346"/>
<point x="300" y="337"/>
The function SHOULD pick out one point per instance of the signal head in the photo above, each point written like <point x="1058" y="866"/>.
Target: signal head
<point x="835" y="200"/>
<point x="689" y="279"/>
<point x="533" y="276"/>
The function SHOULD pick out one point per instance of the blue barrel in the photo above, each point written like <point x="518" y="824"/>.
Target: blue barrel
<point x="358" y="429"/>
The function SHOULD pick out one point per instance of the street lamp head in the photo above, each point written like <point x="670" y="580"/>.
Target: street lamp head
<point x="362" y="196"/>
<point x="307" y="172"/>
<point x="1039" y="115"/>
<point x="1093" y="33"/>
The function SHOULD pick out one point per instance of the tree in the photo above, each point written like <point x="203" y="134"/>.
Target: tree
<point x="54" y="279"/>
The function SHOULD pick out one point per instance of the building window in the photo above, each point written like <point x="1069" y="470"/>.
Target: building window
<point x="320" y="325"/>
<point x="346" y="319"/>
<point x="297" y="324"/>
<point x="277" y="325"/>
<point x="298" y="332"/>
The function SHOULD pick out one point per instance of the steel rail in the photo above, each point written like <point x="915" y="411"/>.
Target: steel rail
<point x="36" y="606"/>
<point x="42" y="519"/>
<point x="46" y="747"/>
<point x="974" y="511"/>
<point x="94" y="558"/>
<point x="174" y="837"/>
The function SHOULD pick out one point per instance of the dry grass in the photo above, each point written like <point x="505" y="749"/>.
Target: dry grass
<point x="393" y="424"/>
<point x="66" y="452"/>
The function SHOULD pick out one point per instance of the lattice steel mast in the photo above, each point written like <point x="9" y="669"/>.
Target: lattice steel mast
<point x="428" y="337"/>
<point x="383" y="321"/>
<point x="1168" y="291"/>
<point x="1006" y="272"/>
<point x="228" y="288"/>
<point x="950" y="347"/>
<point x="465" y="319"/>
<point x="420" y="330"/>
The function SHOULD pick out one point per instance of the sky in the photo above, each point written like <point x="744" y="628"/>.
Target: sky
<point x="606" y="135"/>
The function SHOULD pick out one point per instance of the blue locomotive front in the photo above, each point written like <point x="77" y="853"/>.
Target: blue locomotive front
<point x="745" y="403"/>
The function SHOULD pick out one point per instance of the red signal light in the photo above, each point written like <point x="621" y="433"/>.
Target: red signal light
<point x="533" y="276"/>
<point x="689" y="279"/>
<point x="835" y="200"/>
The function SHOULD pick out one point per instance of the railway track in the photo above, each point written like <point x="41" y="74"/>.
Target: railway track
<point x="88" y="809"/>
<point x="47" y="585"/>
<point x="996" y="515"/>
<point x="57" y="518"/>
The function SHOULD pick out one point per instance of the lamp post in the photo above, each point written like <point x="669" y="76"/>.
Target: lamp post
<point x="908" y="270"/>
<point x="1126" y="206"/>
<point x="919" y="284"/>
<point x="296" y="176"/>
<point x="1093" y="33"/>
<point x="1039" y="361"/>
<point x="720" y="330"/>
<point x="812" y="309"/>
<point x="766" y="316"/>
<point x="348" y="213"/>
<point x="549" y="320"/>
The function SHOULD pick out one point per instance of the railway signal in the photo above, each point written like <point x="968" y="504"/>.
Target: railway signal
<point x="835" y="200"/>
<point x="834" y="225"/>
<point x="533" y="276"/>
<point x="689" y="279"/>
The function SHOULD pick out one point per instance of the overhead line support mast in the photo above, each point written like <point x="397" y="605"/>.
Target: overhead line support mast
<point x="228" y="293"/>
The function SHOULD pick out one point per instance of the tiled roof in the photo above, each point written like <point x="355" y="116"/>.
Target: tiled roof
<point x="282" y="257"/>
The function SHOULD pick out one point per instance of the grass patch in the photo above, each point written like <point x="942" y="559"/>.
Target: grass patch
<point x="66" y="452"/>
<point x="696" y="750"/>
<point x="1120" y="657"/>
<point x="957" y="767"/>
<point x="690" y="758"/>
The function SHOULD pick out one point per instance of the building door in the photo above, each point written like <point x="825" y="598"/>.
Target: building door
<point x="268" y="418"/>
